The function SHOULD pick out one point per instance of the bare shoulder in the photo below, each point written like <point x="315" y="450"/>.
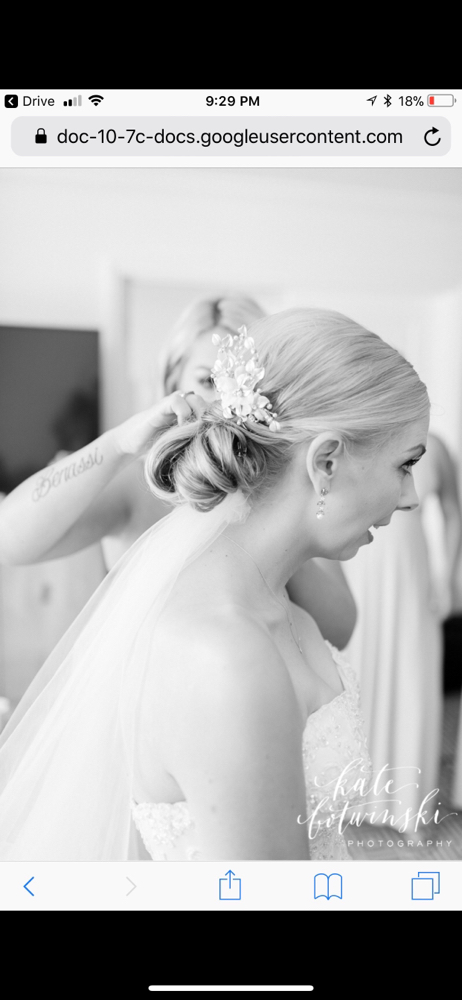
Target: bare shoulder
<point x="443" y="468"/>
<point x="131" y="508"/>
<point x="442" y="455"/>
<point x="125" y="484"/>
<point x="232" y="738"/>
<point x="435" y="446"/>
<point x="143" y="509"/>
<point x="224" y="666"/>
<point x="223" y="646"/>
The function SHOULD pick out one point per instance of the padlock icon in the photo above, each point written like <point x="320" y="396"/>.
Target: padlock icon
<point x="41" y="135"/>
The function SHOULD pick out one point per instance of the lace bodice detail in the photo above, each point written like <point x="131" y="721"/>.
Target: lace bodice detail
<point x="337" y="772"/>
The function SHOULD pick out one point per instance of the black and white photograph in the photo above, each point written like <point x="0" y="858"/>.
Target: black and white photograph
<point x="230" y="514"/>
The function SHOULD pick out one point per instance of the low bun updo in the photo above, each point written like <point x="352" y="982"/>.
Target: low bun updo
<point x="202" y="461"/>
<point x="323" y="372"/>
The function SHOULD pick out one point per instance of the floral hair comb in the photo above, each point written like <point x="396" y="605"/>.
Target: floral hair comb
<point x="235" y="374"/>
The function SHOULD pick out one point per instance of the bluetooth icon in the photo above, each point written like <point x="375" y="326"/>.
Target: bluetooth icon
<point x="387" y="100"/>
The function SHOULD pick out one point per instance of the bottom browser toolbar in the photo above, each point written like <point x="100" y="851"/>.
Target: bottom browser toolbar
<point x="237" y="885"/>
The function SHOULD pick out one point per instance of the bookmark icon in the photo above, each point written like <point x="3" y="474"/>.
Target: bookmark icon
<point x="328" y="885"/>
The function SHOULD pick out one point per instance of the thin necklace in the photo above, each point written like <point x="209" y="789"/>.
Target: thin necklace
<point x="296" y="640"/>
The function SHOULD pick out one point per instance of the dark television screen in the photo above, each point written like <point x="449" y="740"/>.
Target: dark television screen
<point x="48" y="397"/>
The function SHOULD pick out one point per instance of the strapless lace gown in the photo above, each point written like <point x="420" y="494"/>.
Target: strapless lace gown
<point x="334" y="747"/>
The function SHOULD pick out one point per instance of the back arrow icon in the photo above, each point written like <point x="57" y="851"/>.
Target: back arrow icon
<point x="28" y="883"/>
<point x="432" y="131"/>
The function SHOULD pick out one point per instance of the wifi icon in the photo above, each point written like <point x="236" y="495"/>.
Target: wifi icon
<point x="96" y="99"/>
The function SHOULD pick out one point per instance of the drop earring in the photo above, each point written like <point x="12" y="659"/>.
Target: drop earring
<point x="321" y="503"/>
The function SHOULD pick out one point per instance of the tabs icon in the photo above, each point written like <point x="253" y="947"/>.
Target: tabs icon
<point x="425" y="886"/>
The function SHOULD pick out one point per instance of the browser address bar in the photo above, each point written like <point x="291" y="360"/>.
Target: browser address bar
<point x="230" y="136"/>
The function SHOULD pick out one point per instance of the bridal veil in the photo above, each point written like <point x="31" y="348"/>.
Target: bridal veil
<point x="68" y="753"/>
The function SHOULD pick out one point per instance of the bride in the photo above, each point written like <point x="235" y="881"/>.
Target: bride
<point x="190" y="694"/>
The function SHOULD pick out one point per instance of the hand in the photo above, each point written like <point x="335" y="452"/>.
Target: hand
<point x="136" y="434"/>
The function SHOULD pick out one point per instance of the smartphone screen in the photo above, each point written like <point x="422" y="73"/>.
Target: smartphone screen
<point x="230" y="507"/>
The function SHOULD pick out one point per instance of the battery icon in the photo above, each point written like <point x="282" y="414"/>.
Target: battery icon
<point x="440" y="100"/>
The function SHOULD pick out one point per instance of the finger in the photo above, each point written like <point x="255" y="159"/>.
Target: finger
<point x="196" y="402"/>
<point x="173" y="405"/>
<point x="186" y="406"/>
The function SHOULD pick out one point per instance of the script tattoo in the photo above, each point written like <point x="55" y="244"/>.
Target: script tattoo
<point x="54" y="477"/>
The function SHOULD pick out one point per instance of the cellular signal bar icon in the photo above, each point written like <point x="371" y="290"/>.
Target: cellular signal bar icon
<point x="73" y="102"/>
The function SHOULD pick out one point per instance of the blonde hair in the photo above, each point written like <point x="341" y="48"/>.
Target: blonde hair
<point x="323" y="372"/>
<point x="228" y="313"/>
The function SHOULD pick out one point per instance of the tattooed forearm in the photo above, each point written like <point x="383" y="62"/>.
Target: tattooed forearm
<point x="53" y="477"/>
